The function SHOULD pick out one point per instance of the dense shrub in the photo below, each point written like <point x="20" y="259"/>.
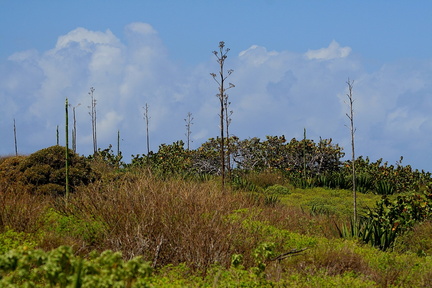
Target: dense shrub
<point x="61" y="268"/>
<point x="45" y="171"/>
<point x="384" y="179"/>
<point x="305" y="156"/>
<point x="417" y="240"/>
<point x="295" y="158"/>
<point x="108" y="157"/>
<point x="390" y="219"/>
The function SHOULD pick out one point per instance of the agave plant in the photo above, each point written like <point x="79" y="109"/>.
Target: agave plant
<point x="370" y="231"/>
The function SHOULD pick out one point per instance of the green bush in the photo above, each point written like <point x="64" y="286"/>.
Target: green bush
<point x="11" y="239"/>
<point x="387" y="179"/>
<point x="71" y="226"/>
<point x="45" y="171"/>
<point x="10" y="169"/>
<point x="278" y="189"/>
<point x="382" y="225"/>
<point x="417" y="240"/>
<point x="60" y="268"/>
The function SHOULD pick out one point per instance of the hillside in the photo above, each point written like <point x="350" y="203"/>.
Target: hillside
<point x="161" y="221"/>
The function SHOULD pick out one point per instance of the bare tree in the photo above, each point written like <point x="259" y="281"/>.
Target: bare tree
<point x="188" y="125"/>
<point x="147" y="118"/>
<point x="350" y="116"/>
<point x="221" y="56"/>
<point x="93" y="119"/>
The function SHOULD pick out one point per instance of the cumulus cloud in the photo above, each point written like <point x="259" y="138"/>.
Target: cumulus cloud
<point x="142" y="28"/>
<point x="277" y="92"/>
<point x="85" y="39"/>
<point x="331" y="52"/>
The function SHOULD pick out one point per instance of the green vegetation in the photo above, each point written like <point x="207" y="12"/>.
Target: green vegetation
<point x="44" y="171"/>
<point x="284" y="219"/>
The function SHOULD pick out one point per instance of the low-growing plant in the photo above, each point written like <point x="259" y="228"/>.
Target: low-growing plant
<point x="417" y="240"/>
<point x="11" y="239"/>
<point x="384" y="187"/>
<point x="265" y="179"/>
<point x="364" y="182"/>
<point x="88" y="230"/>
<point x="278" y="190"/>
<point x="239" y="182"/>
<point x="21" y="211"/>
<point x="389" y="219"/>
<point x="271" y="199"/>
<point x="61" y="268"/>
<point x="262" y="254"/>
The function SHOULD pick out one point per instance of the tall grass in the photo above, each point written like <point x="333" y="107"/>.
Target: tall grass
<point x="174" y="221"/>
<point x="19" y="210"/>
<point x="167" y="221"/>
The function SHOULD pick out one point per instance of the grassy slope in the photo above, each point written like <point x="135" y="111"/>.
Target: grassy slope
<point x="173" y="222"/>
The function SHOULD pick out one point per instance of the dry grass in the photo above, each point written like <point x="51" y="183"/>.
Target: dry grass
<point x="21" y="211"/>
<point x="334" y="261"/>
<point x="176" y="221"/>
<point x="166" y="221"/>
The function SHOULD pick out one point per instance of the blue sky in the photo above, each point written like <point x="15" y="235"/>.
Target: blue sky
<point x="291" y="61"/>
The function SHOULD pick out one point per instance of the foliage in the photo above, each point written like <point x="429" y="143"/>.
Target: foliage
<point x="206" y="159"/>
<point x="404" y="211"/>
<point x="294" y="156"/>
<point x="250" y="155"/>
<point x="417" y="240"/>
<point x="11" y="239"/>
<point x="43" y="172"/>
<point x="192" y="235"/>
<point x="72" y="226"/>
<point x="10" y="168"/>
<point x="59" y="267"/>
<point x="170" y="160"/>
<point x="107" y="156"/>
<point x="304" y="163"/>
<point x="389" y="219"/>
<point x="386" y="179"/>
<point x="278" y="189"/>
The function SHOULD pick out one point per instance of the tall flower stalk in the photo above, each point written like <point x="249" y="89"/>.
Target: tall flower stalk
<point x="67" y="147"/>
<point x="93" y="119"/>
<point x="220" y="79"/>
<point x="350" y="116"/>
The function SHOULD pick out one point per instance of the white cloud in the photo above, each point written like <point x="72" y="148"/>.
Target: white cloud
<point x="142" y="28"/>
<point x="331" y="52"/>
<point x="85" y="39"/>
<point x="277" y="92"/>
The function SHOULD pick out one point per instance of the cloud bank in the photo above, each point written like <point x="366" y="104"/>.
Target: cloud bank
<point x="277" y="92"/>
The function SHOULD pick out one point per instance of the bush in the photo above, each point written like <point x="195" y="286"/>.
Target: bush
<point x="10" y="173"/>
<point x="278" y="190"/>
<point x="45" y="171"/>
<point x="60" y="268"/>
<point x="417" y="240"/>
